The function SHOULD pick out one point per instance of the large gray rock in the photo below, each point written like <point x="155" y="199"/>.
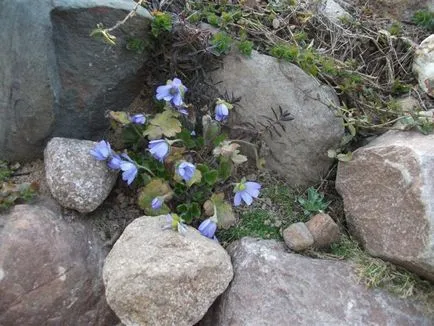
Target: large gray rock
<point x="56" y="79"/>
<point x="264" y="82"/>
<point x="388" y="193"/>
<point x="50" y="270"/>
<point x="272" y="287"/>
<point x="423" y="65"/>
<point x="75" y="178"/>
<point x="160" y="277"/>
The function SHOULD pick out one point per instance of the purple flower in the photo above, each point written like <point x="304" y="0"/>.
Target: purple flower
<point x="157" y="202"/>
<point x="101" y="151"/>
<point x="173" y="91"/>
<point x="246" y="191"/>
<point x="159" y="149"/>
<point x="138" y="119"/>
<point x="129" y="169"/>
<point x="221" y="112"/>
<point x="182" y="109"/>
<point x="114" y="162"/>
<point x="185" y="170"/>
<point x="207" y="228"/>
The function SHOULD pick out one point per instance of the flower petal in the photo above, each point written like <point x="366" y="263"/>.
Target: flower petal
<point x="237" y="199"/>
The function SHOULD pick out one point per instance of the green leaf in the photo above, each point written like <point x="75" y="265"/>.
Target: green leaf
<point x="219" y="139"/>
<point x="187" y="139"/>
<point x="156" y="187"/>
<point x="197" y="177"/>
<point x="130" y="136"/>
<point x="202" y="168"/>
<point x="345" y="157"/>
<point x="188" y="211"/>
<point x="165" y="123"/>
<point x="120" y="116"/>
<point x="225" y="168"/>
<point x="225" y="215"/>
<point x="210" y="177"/>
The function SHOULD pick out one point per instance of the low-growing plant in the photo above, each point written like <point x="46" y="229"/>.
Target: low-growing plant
<point x="424" y="18"/>
<point x="245" y="47"/>
<point x="162" y="23"/>
<point x="314" y="203"/>
<point x="182" y="165"/>
<point x="11" y="193"/>
<point x="221" y="43"/>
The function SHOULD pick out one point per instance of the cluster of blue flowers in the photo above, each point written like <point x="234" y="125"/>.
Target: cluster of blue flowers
<point x="173" y="93"/>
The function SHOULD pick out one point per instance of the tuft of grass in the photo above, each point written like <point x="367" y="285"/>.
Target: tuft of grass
<point x="424" y="18"/>
<point x="266" y="217"/>
<point x="257" y="223"/>
<point x="221" y="43"/>
<point x="395" y="29"/>
<point x="245" y="47"/>
<point x="376" y="273"/>
<point x="5" y="171"/>
<point x="162" y="23"/>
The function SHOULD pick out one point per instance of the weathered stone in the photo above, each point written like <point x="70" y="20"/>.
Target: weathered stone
<point x="423" y="65"/>
<point x="388" y="193"/>
<point x="324" y="230"/>
<point x="56" y="79"/>
<point x="297" y="237"/>
<point x="75" y="178"/>
<point x="276" y="288"/>
<point x="264" y="82"/>
<point x="50" y="271"/>
<point x="160" y="277"/>
<point x="333" y="11"/>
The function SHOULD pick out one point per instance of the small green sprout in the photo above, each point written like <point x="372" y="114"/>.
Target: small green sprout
<point x="221" y="43"/>
<point x="162" y="23"/>
<point x="246" y="47"/>
<point x="424" y="18"/>
<point x="314" y="203"/>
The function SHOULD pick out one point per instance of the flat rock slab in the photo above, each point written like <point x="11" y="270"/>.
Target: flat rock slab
<point x="56" y="79"/>
<point x="160" y="277"/>
<point x="388" y="193"/>
<point x="50" y="270"/>
<point x="263" y="82"/>
<point x="272" y="287"/>
<point x="75" y="178"/>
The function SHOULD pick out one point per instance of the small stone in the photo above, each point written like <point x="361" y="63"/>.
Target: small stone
<point x="297" y="237"/>
<point x="75" y="178"/>
<point x="324" y="230"/>
<point x="276" y="23"/>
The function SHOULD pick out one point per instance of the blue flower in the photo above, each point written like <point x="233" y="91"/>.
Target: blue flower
<point x="207" y="228"/>
<point x="157" y="202"/>
<point x="129" y="169"/>
<point x="246" y="191"/>
<point x="221" y="112"/>
<point x="114" y="162"/>
<point x="182" y="109"/>
<point x="138" y="119"/>
<point x="185" y="170"/>
<point x="173" y="91"/>
<point x="101" y="151"/>
<point x="159" y="149"/>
